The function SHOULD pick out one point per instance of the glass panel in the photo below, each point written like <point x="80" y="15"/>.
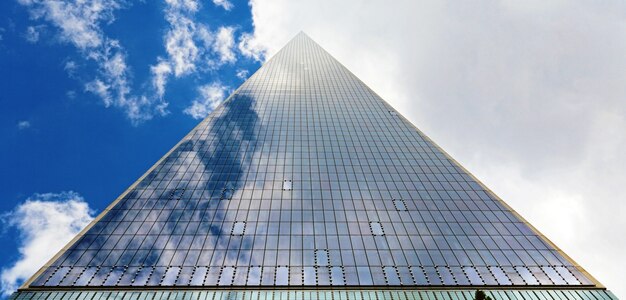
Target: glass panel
<point x="287" y="185"/>
<point x="198" y="276"/>
<point x="321" y="257"/>
<point x="170" y="276"/>
<point x="377" y="228"/>
<point x="500" y="276"/>
<point x="282" y="276"/>
<point x="238" y="228"/>
<point x="399" y="204"/>
<point x="226" y="278"/>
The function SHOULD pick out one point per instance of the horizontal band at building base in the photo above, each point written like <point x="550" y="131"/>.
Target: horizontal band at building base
<point x="312" y="294"/>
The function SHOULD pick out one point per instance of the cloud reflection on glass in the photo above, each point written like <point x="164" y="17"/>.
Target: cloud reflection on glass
<point x="304" y="177"/>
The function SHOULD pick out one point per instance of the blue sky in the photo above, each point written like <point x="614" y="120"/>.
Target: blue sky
<point x="527" y="95"/>
<point x="85" y="108"/>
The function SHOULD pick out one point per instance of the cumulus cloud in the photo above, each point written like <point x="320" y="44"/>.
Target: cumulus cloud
<point x="23" y="125"/>
<point x="225" y="4"/>
<point x="211" y="95"/>
<point x="528" y="95"/>
<point x="46" y="223"/>
<point x="79" y="23"/>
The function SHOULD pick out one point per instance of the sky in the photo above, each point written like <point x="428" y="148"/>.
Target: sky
<point x="529" y="96"/>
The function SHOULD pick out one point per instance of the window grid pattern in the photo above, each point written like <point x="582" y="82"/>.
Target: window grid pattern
<point x="307" y="158"/>
<point x="317" y="295"/>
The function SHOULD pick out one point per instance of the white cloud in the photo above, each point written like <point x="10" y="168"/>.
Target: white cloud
<point x="101" y="89"/>
<point x="79" y="22"/>
<point x="46" y="223"/>
<point x="183" y="5"/>
<point x="191" y="46"/>
<point x="211" y="95"/>
<point x="530" y="97"/>
<point x="242" y="74"/>
<point x="160" y="72"/>
<point x="70" y="67"/>
<point x="224" y="43"/>
<point x="32" y="34"/>
<point x="205" y="36"/>
<point x="23" y="125"/>
<point x="251" y="47"/>
<point x="180" y="45"/>
<point x="225" y="4"/>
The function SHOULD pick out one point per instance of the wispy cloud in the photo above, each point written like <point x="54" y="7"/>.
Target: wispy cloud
<point x="180" y="46"/>
<point x="190" y="46"/>
<point x="71" y="94"/>
<point x="23" y="125"/>
<point x="211" y="95"/>
<point x="224" y="43"/>
<point x="32" y="33"/>
<point x="70" y="67"/>
<point x="179" y="40"/>
<point x="242" y="74"/>
<point x="79" y="22"/>
<point x="225" y="4"/>
<point x="160" y="72"/>
<point x="101" y="89"/>
<point x="250" y="47"/>
<point x="45" y="222"/>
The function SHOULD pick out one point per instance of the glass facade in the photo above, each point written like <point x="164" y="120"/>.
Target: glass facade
<point x="305" y="177"/>
<point x="364" y="294"/>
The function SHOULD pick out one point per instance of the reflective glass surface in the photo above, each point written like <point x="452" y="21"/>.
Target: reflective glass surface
<point x="363" y="294"/>
<point x="304" y="176"/>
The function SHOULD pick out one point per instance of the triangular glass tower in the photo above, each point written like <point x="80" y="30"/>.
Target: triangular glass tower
<point x="304" y="184"/>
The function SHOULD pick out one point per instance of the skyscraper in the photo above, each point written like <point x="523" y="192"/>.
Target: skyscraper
<point x="305" y="184"/>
